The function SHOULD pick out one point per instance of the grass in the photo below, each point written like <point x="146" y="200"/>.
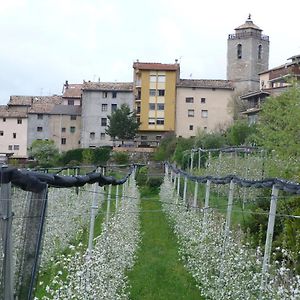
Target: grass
<point x="158" y="273"/>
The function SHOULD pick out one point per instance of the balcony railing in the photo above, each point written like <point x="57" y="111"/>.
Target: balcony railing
<point x="243" y="35"/>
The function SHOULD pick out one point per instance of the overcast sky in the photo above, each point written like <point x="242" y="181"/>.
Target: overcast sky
<point x="45" y="42"/>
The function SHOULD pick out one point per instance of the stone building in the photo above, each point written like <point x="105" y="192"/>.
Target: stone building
<point x="99" y="100"/>
<point x="247" y="56"/>
<point x="202" y="105"/>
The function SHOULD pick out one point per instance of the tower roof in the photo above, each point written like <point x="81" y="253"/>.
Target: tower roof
<point x="248" y="25"/>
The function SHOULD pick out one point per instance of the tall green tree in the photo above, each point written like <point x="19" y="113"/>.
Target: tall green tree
<point x="239" y="133"/>
<point x="45" y="152"/>
<point x="279" y="125"/>
<point x="123" y="124"/>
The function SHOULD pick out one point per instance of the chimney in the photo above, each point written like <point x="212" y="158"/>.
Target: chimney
<point x="67" y="84"/>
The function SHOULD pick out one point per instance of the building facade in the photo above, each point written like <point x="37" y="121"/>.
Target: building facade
<point x="39" y="117"/>
<point x="65" y="126"/>
<point x="154" y="88"/>
<point x="273" y="82"/>
<point x="202" y="105"/>
<point x="247" y="56"/>
<point x="13" y="132"/>
<point x="99" y="100"/>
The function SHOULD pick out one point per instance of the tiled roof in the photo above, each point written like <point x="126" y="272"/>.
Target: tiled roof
<point x="155" y="66"/>
<point x="108" y="86"/>
<point x="248" y="24"/>
<point x="69" y="110"/>
<point x="205" y="83"/>
<point x="73" y="90"/>
<point x="7" y="112"/>
<point x="21" y="100"/>
<point x="44" y="104"/>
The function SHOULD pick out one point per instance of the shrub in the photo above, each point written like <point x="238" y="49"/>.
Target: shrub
<point x="154" y="182"/>
<point x="121" y="158"/>
<point x="142" y="176"/>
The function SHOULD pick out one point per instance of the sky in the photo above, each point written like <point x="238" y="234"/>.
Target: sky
<point x="46" y="42"/>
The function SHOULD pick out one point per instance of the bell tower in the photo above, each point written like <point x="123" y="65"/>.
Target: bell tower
<point x="247" y="56"/>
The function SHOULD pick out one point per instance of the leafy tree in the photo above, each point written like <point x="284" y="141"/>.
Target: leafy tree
<point x="239" y="133"/>
<point x="166" y="148"/>
<point x="279" y="126"/>
<point x="45" y="152"/>
<point x="122" y="124"/>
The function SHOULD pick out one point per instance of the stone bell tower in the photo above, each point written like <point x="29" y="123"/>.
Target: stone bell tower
<point x="247" y="56"/>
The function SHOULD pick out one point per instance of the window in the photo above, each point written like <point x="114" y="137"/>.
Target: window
<point x="104" y="107"/>
<point x="104" y="94"/>
<point x="63" y="141"/>
<point x="161" y="78"/>
<point x="239" y="51"/>
<point x="114" y="107"/>
<point x="4" y="119"/>
<point x="205" y="128"/>
<point x="14" y="135"/>
<point x="70" y="102"/>
<point x="191" y="112"/>
<point x="73" y="118"/>
<point x="39" y="129"/>
<point x="10" y="147"/>
<point x="259" y="51"/>
<point x="19" y="121"/>
<point x="63" y="129"/>
<point x="16" y="147"/>
<point x="152" y="78"/>
<point x="102" y="136"/>
<point x="40" y="117"/>
<point x="204" y="113"/>
<point x="161" y="92"/>
<point x="92" y="135"/>
<point x="1" y="133"/>
<point x="114" y="94"/>
<point x="160" y="106"/>
<point x="160" y="121"/>
<point x="189" y="100"/>
<point x="103" y="121"/>
<point x="158" y="137"/>
<point x="152" y="92"/>
<point x="191" y="127"/>
<point x="72" y="129"/>
<point x="203" y="100"/>
<point x="151" y="121"/>
<point x="151" y="106"/>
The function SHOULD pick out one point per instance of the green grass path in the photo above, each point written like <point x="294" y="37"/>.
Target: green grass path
<point x="158" y="273"/>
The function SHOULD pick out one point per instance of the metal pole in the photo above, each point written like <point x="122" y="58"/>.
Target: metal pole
<point x="192" y="160"/>
<point x="199" y="158"/>
<point x="229" y="207"/>
<point x="108" y="203"/>
<point x="269" y="238"/>
<point x="117" y="196"/>
<point x="94" y="208"/>
<point x="196" y="194"/>
<point x="206" y="203"/>
<point x="178" y="184"/>
<point x="184" y="189"/>
<point x="6" y="232"/>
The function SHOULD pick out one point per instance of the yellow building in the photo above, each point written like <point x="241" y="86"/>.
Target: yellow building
<point x="155" y="100"/>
